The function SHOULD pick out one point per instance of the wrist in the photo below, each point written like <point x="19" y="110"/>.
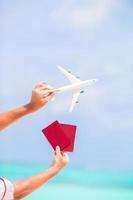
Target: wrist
<point x="54" y="170"/>
<point x="30" y="107"/>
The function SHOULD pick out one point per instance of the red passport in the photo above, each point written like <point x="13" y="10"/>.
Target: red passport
<point x="62" y="135"/>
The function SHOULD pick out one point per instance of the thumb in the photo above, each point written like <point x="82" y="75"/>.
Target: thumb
<point x="50" y="96"/>
<point x="58" y="152"/>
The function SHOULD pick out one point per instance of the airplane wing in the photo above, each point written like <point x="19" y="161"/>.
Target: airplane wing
<point x="74" y="99"/>
<point x="71" y="77"/>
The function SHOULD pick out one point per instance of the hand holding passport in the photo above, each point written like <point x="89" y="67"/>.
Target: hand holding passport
<point x="62" y="135"/>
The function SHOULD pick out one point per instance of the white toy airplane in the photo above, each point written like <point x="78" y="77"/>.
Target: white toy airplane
<point x="76" y="86"/>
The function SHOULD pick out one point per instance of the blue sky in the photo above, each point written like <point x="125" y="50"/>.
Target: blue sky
<point x="94" y="39"/>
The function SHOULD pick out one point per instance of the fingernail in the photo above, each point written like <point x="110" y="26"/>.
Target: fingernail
<point x="58" y="148"/>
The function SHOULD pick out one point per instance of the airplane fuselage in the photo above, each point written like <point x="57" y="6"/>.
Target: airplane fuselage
<point x="75" y="86"/>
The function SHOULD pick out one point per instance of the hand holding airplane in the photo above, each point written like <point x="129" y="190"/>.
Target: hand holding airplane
<point x="76" y="86"/>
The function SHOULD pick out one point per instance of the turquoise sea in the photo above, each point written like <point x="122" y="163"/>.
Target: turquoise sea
<point x="76" y="183"/>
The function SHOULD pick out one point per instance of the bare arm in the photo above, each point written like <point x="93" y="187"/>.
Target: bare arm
<point x="29" y="185"/>
<point x="41" y="95"/>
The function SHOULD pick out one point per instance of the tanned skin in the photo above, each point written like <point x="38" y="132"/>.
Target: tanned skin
<point x="41" y="95"/>
<point x="29" y="185"/>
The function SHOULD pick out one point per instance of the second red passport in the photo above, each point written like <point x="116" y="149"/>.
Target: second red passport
<point x="62" y="135"/>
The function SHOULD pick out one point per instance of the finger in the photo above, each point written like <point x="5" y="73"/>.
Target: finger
<point x="51" y="93"/>
<point x="50" y="97"/>
<point x="44" y="82"/>
<point x="40" y="85"/>
<point x="45" y="92"/>
<point x="58" y="152"/>
<point x="46" y="88"/>
<point x="65" y="156"/>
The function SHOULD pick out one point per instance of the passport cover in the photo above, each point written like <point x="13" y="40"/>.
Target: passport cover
<point x="62" y="135"/>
